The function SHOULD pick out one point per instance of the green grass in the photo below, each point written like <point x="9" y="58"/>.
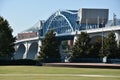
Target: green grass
<point x="55" y="78"/>
<point x="37" y="71"/>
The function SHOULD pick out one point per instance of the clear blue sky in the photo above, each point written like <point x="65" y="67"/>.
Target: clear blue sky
<point x="22" y="14"/>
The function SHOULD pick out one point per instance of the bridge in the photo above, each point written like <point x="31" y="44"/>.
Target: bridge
<point x="67" y="24"/>
<point x="29" y="48"/>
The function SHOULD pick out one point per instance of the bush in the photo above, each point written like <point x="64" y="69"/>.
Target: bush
<point x="116" y="61"/>
<point x="50" y="60"/>
<point x="87" y="60"/>
<point x="20" y="62"/>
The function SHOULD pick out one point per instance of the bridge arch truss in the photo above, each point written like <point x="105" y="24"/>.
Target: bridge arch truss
<point x="61" y="22"/>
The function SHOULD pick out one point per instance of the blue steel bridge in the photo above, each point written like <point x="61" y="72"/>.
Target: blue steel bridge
<point x="66" y="24"/>
<point x="67" y="21"/>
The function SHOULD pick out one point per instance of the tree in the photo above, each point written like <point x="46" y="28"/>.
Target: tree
<point x="118" y="54"/>
<point x="65" y="46"/>
<point x="95" y="48"/>
<point x="109" y="48"/>
<point x="50" y="48"/>
<point x="6" y="39"/>
<point x="81" y="47"/>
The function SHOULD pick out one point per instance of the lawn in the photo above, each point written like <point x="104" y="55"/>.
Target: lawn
<point x="56" y="73"/>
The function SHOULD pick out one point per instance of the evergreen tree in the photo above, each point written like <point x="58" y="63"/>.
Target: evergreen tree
<point x="81" y="47"/>
<point x="95" y="48"/>
<point x="50" y="48"/>
<point x="109" y="48"/>
<point x="65" y="46"/>
<point x="6" y="39"/>
<point x="118" y="54"/>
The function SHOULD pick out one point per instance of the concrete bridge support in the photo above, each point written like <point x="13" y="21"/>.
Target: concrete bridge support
<point x="27" y="46"/>
<point x="39" y="44"/>
<point x="75" y="38"/>
<point x="27" y="49"/>
<point x="32" y="51"/>
<point x="20" y="50"/>
<point x="117" y="34"/>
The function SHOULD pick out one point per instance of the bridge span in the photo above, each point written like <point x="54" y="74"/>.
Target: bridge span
<point x="29" y="48"/>
<point x="67" y="24"/>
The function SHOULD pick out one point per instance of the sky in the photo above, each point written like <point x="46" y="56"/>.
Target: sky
<point x="23" y="14"/>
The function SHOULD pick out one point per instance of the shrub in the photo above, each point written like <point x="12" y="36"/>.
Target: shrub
<point x="20" y="62"/>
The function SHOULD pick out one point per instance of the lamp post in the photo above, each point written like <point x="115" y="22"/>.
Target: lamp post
<point x="102" y="41"/>
<point x="114" y="19"/>
<point x="98" y="21"/>
<point x="105" y="57"/>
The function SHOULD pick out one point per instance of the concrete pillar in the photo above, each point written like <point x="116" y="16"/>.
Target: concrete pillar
<point x="75" y="38"/>
<point x="39" y="44"/>
<point x="117" y="34"/>
<point x="27" y="46"/>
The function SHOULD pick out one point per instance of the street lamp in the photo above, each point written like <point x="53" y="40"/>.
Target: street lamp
<point x="98" y="21"/>
<point x="105" y="57"/>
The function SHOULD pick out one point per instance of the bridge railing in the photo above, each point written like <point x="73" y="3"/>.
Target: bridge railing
<point x="111" y="28"/>
<point x="28" y="39"/>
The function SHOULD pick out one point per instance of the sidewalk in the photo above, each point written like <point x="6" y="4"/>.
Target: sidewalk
<point x="84" y="65"/>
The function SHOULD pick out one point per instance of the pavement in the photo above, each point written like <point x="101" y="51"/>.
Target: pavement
<point x="84" y="65"/>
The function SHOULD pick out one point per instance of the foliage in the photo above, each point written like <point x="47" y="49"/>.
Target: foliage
<point x="6" y="39"/>
<point x="65" y="47"/>
<point x="81" y="47"/>
<point x="50" y="48"/>
<point x="64" y="44"/>
<point x="95" y="48"/>
<point x="109" y="47"/>
<point x="20" y="62"/>
<point x="84" y="48"/>
<point x="118" y="54"/>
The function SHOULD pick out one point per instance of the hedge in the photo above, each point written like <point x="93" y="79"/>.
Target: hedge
<point x="20" y="62"/>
